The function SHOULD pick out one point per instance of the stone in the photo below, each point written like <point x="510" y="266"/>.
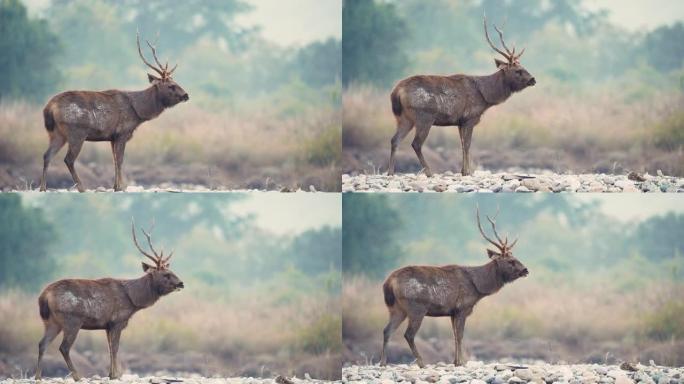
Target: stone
<point x="522" y="189"/>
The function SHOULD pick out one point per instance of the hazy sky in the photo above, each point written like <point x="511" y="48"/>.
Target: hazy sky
<point x="640" y="14"/>
<point x="635" y="206"/>
<point x="292" y="213"/>
<point x="298" y="22"/>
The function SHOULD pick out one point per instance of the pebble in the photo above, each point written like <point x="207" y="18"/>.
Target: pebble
<point x="476" y="372"/>
<point x="192" y="379"/>
<point x="485" y="181"/>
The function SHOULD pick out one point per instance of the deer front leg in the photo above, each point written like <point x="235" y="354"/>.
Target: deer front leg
<point x="113" y="336"/>
<point x="458" y="325"/>
<point x="118" y="149"/>
<point x="465" y="130"/>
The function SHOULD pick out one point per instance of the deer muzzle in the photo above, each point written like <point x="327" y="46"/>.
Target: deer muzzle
<point x="532" y="82"/>
<point x="180" y="286"/>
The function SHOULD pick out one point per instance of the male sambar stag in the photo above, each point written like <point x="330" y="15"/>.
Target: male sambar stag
<point x="74" y="304"/>
<point x="73" y="117"/>
<point x="451" y="290"/>
<point x="456" y="100"/>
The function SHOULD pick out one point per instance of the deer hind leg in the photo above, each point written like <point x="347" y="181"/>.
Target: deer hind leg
<point x="422" y="131"/>
<point x="414" y="324"/>
<point x="57" y="141"/>
<point x="70" y="334"/>
<point x="51" y="331"/>
<point x="396" y="318"/>
<point x="404" y="126"/>
<point x="75" y="144"/>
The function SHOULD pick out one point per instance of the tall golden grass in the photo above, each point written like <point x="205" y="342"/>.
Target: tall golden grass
<point x="231" y="330"/>
<point x="590" y="128"/>
<point x="248" y="142"/>
<point x="562" y="313"/>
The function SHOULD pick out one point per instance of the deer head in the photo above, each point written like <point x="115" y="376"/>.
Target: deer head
<point x="170" y="93"/>
<point x="515" y="75"/>
<point x="163" y="280"/>
<point x="509" y="267"/>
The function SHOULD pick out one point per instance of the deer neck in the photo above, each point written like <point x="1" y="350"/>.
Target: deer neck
<point x="486" y="278"/>
<point x="141" y="291"/>
<point x="146" y="103"/>
<point x="493" y="88"/>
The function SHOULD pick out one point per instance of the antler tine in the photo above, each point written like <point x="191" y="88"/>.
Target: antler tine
<point x="493" y="223"/>
<point x="502" y="40"/>
<point x="154" y="53"/>
<point x="149" y="241"/>
<point x="135" y="241"/>
<point x="484" y="22"/>
<point x="512" y="244"/>
<point x="137" y="40"/>
<point x="166" y="261"/>
<point x="479" y="226"/>
<point x="172" y="69"/>
<point x="516" y="58"/>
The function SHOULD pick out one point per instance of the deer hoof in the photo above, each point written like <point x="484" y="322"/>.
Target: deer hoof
<point x="81" y="189"/>
<point x="76" y="376"/>
<point x="428" y="172"/>
<point x="420" y="363"/>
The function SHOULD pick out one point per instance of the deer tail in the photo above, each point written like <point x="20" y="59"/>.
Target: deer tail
<point x="49" y="119"/>
<point x="43" y="307"/>
<point x="396" y="102"/>
<point x="389" y="293"/>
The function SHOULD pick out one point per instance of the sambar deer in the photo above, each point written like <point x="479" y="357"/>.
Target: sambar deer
<point x="456" y="100"/>
<point x="451" y="290"/>
<point x="73" y="304"/>
<point x="73" y="117"/>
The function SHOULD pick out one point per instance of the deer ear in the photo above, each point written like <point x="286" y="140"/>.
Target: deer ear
<point x="493" y="254"/>
<point x="500" y="64"/>
<point x="152" y="78"/>
<point x="146" y="266"/>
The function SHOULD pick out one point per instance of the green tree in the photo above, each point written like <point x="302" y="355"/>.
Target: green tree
<point x="372" y="48"/>
<point x="317" y="251"/>
<point x="29" y="50"/>
<point x="25" y="242"/>
<point x="320" y="63"/>
<point x="370" y="229"/>
<point x="663" y="47"/>
<point x="660" y="237"/>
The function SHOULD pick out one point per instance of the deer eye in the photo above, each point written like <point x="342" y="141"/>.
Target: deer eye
<point x="519" y="72"/>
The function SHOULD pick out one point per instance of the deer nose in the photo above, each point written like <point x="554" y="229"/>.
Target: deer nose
<point x="180" y="285"/>
<point x="525" y="272"/>
<point x="532" y="81"/>
<point x="185" y="97"/>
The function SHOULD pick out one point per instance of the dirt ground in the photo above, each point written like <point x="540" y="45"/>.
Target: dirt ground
<point x="191" y="363"/>
<point x="187" y="177"/>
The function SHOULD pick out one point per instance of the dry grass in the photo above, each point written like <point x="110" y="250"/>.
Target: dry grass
<point x="563" y="314"/>
<point x="587" y="129"/>
<point x="230" y="329"/>
<point x="249" y="143"/>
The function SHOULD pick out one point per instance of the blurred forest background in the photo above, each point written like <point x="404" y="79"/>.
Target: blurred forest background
<point x="608" y="98"/>
<point x="261" y="114"/>
<point x="602" y="288"/>
<point x="256" y="302"/>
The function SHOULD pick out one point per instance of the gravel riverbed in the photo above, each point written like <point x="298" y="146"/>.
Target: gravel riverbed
<point x="475" y="372"/>
<point x="485" y="181"/>
<point x="195" y="379"/>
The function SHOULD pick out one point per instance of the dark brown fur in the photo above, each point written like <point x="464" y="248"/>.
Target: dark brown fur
<point x="456" y="100"/>
<point x="73" y="117"/>
<point x="74" y="304"/>
<point x="414" y="292"/>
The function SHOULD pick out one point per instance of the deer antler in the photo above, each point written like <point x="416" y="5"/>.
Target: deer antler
<point x="509" y="54"/>
<point x="493" y="224"/>
<point x="162" y="70"/>
<point x="158" y="70"/>
<point x="158" y="258"/>
<point x="479" y="226"/>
